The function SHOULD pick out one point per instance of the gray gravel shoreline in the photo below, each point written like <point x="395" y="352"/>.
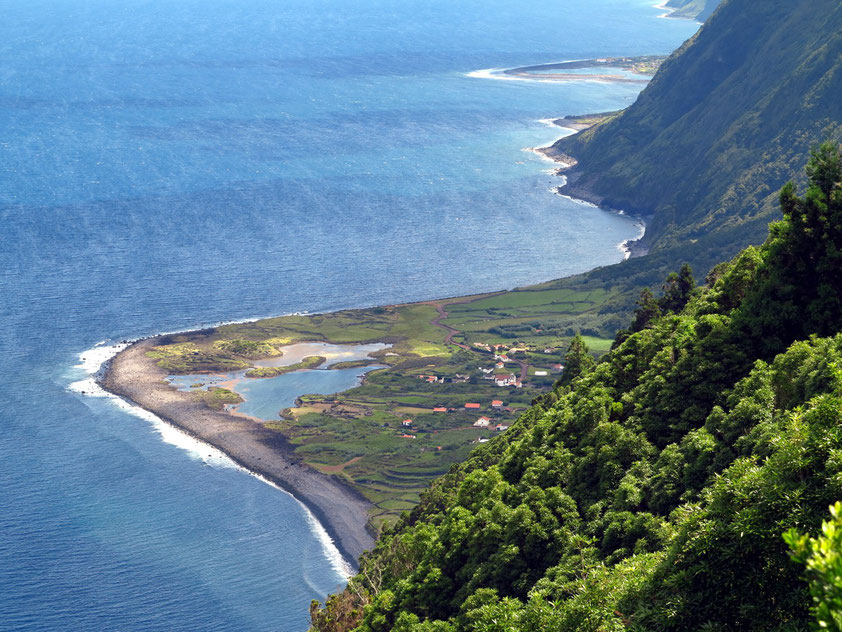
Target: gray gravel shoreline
<point x="340" y="509"/>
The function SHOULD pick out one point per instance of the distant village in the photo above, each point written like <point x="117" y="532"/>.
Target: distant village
<point x="496" y="373"/>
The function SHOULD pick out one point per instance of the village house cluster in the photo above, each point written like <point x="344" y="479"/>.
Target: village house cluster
<point x="498" y="373"/>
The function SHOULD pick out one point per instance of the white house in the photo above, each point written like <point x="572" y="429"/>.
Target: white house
<point x="505" y="380"/>
<point x="482" y="422"/>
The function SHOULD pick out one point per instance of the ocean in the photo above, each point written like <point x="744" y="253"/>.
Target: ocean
<point x="167" y="165"/>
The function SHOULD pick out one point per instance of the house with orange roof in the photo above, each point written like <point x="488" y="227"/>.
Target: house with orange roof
<point x="471" y="405"/>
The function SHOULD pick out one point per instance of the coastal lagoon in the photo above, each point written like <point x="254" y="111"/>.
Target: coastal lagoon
<point x="266" y="397"/>
<point x="172" y="165"/>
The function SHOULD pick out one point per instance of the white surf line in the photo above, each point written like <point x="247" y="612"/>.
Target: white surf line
<point x="662" y="6"/>
<point x="93" y="362"/>
<point x="624" y="247"/>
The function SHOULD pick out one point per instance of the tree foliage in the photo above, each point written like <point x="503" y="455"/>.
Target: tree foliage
<point x="822" y="556"/>
<point x="577" y="360"/>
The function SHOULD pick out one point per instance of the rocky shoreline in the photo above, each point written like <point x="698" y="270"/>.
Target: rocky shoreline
<point x="573" y="188"/>
<point x="340" y="509"/>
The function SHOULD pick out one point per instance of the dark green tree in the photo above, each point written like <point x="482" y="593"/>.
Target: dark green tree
<point x="677" y="290"/>
<point x="799" y="289"/>
<point x="577" y="360"/>
<point x="822" y="556"/>
<point x="647" y="311"/>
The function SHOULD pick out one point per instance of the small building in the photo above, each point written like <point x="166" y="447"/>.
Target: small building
<point x="540" y="373"/>
<point x="501" y="427"/>
<point x="505" y="379"/>
<point x="482" y="440"/>
<point x="497" y="403"/>
<point x="482" y="422"/>
<point x="472" y="406"/>
<point x="407" y="422"/>
<point x="439" y="409"/>
<point x="499" y="365"/>
<point x="407" y="436"/>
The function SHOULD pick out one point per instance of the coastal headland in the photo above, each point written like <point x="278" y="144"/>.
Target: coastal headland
<point x="604" y="70"/>
<point x="456" y="372"/>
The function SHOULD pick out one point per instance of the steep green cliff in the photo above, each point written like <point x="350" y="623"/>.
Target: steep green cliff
<point x="724" y="123"/>
<point x="651" y="491"/>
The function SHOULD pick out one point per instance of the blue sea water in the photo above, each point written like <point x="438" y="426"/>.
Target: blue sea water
<point x="171" y="164"/>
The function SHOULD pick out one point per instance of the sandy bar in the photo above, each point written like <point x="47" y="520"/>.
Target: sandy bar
<point x="341" y="510"/>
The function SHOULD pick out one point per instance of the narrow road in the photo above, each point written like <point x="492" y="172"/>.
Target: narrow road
<point x="450" y="330"/>
<point x="524" y="369"/>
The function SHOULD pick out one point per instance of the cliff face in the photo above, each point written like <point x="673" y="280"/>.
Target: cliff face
<point x="727" y="120"/>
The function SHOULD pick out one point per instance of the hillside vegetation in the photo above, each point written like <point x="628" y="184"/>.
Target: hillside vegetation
<point x="651" y="491"/>
<point x="722" y="126"/>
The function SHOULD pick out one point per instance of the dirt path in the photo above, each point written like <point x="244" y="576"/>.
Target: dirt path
<point x="448" y="339"/>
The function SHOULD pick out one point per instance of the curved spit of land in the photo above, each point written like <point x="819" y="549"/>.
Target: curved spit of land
<point x="604" y="69"/>
<point x="342" y="510"/>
